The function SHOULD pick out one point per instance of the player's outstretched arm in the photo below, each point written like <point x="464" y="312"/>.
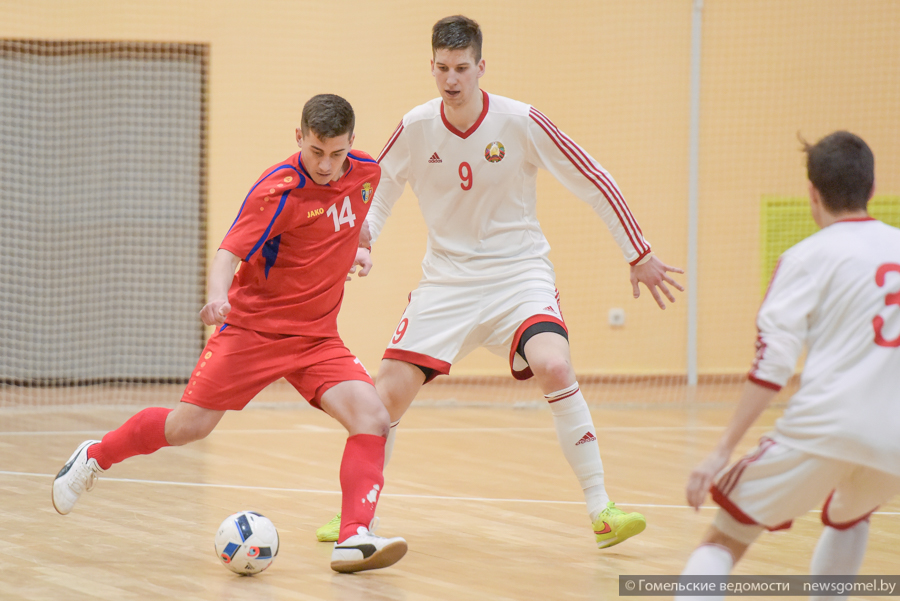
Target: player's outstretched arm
<point x="364" y="261"/>
<point x="754" y="400"/>
<point x="653" y="274"/>
<point x="221" y="275"/>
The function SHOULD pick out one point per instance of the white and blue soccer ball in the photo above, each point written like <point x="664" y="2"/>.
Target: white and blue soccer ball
<point x="247" y="543"/>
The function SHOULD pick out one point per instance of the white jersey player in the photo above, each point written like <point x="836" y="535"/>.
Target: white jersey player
<point x="473" y="185"/>
<point x="837" y="293"/>
<point x="477" y="193"/>
<point x="472" y="160"/>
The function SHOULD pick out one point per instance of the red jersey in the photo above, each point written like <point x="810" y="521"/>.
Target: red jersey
<point x="297" y="241"/>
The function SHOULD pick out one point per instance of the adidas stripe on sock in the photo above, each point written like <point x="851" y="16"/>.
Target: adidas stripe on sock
<point x="578" y="440"/>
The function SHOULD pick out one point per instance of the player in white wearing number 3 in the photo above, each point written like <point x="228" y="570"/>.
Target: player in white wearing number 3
<point x="837" y="292"/>
<point x="472" y="160"/>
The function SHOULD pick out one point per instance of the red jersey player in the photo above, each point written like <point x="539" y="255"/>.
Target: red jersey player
<point x="295" y="238"/>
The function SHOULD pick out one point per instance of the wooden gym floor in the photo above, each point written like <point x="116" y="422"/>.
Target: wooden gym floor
<point x="481" y="493"/>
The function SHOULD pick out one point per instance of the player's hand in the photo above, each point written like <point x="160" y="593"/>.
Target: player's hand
<point x="364" y="261"/>
<point x="214" y="312"/>
<point x="701" y="479"/>
<point x="365" y="236"/>
<point x="653" y="274"/>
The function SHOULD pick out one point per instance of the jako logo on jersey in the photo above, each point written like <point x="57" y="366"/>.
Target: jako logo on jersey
<point x="315" y="213"/>
<point x="494" y="152"/>
<point x="435" y="159"/>
<point x="367" y="192"/>
<point x="589" y="437"/>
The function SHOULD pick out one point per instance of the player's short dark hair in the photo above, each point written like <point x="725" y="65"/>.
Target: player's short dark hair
<point x="327" y="116"/>
<point x="842" y="168"/>
<point x="456" y="33"/>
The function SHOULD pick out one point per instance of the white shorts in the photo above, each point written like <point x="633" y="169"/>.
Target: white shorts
<point x="775" y="483"/>
<point x="442" y="324"/>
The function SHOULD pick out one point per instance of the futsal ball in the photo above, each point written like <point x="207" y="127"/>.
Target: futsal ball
<point x="247" y="543"/>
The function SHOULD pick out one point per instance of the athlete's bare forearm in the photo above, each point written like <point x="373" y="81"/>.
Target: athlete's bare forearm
<point x="754" y="400"/>
<point x="221" y="274"/>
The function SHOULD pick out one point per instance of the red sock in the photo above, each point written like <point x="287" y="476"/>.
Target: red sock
<point x="362" y="478"/>
<point x="143" y="434"/>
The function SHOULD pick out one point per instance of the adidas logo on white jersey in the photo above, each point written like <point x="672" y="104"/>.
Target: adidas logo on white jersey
<point x="435" y="159"/>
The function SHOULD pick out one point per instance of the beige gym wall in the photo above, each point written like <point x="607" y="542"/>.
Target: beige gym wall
<point x="613" y="75"/>
<point x="773" y="69"/>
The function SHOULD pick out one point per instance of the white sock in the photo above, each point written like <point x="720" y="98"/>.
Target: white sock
<point x="389" y="445"/>
<point x="839" y="552"/>
<point x="707" y="560"/>
<point x="577" y="437"/>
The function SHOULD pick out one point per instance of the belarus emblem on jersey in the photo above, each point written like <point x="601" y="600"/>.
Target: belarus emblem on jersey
<point x="367" y="192"/>
<point x="494" y="152"/>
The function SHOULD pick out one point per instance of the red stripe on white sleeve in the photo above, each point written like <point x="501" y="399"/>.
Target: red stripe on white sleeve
<point x="585" y="165"/>
<point x="610" y="191"/>
<point x="639" y="258"/>
<point x="587" y="162"/>
<point x="390" y="142"/>
<point x="761" y="346"/>
<point x="764" y="383"/>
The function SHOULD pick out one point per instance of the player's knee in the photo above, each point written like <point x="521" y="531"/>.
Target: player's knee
<point x="731" y="534"/>
<point x="370" y="416"/>
<point x="397" y="385"/>
<point x="394" y="406"/>
<point x="555" y="370"/>
<point x="379" y="413"/>
<point x="383" y="429"/>
<point x="373" y="419"/>
<point x="381" y="420"/>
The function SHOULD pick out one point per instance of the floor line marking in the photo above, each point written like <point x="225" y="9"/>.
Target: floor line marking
<point x="394" y="495"/>
<point x="326" y="430"/>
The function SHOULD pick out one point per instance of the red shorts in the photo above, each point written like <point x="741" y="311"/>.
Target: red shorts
<point x="237" y="364"/>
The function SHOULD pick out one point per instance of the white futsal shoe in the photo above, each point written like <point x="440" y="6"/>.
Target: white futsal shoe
<point x="76" y="476"/>
<point x="366" y="551"/>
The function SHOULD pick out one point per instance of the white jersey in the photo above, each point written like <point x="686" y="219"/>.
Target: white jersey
<point x="837" y="292"/>
<point x="478" y="189"/>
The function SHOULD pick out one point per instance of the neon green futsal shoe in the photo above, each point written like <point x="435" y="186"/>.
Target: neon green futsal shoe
<point x="329" y="532"/>
<point x="613" y="526"/>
